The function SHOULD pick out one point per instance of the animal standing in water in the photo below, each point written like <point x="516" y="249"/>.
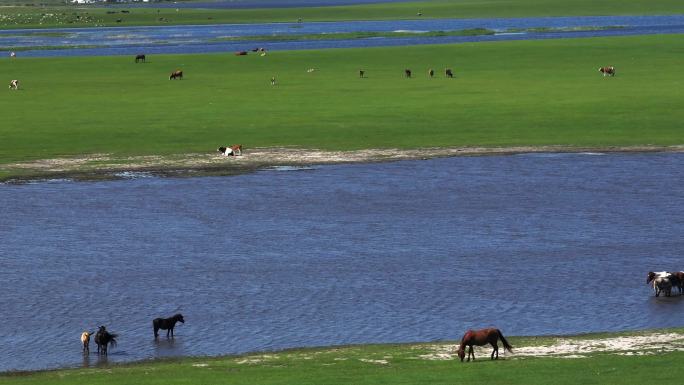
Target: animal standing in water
<point x="166" y="324"/>
<point x="103" y="338"/>
<point x="85" y="341"/>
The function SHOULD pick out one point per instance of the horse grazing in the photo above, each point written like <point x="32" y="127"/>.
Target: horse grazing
<point x="14" y="84"/>
<point x="140" y="58"/>
<point x="431" y="73"/>
<point x="104" y="338"/>
<point x="407" y="73"/>
<point x="166" y="324"/>
<point x="448" y="73"/>
<point x="661" y="282"/>
<point x="85" y="340"/>
<point x="178" y="74"/>
<point x="233" y="150"/>
<point x="480" y="338"/>
<point x="607" y="71"/>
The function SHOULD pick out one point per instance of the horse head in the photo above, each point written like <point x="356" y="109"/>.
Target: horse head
<point x="461" y="353"/>
<point x="179" y="317"/>
<point x="650" y="277"/>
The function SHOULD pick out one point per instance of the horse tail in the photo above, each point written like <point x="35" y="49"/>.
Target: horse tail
<point x="506" y="345"/>
<point x="112" y="341"/>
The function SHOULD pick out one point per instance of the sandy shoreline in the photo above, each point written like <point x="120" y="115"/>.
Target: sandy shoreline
<point x="107" y="166"/>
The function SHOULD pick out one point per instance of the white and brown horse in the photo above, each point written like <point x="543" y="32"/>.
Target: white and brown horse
<point x="233" y="150"/>
<point x="177" y="74"/>
<point x="661" y="282"/>
<point x="607" y="71"/>
<point x="85" y="341"/>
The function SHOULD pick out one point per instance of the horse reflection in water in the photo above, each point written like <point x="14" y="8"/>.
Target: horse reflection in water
<point x="482" y="337"/>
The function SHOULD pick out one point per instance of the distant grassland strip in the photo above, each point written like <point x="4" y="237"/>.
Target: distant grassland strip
<point x="89" y="16"/>
<point x="357" y="35"/>
<point x="503" y="94"/>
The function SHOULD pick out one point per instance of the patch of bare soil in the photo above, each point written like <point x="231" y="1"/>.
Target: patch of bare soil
<point x="99" y="166"/>
<point x="575" y="348"/>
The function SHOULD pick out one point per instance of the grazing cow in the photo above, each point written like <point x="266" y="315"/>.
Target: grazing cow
<point x="14" y="84"/>
<point x="178" y="74"/>
<point x="85" y="340"/>
<point x="431" y="73"/>
<point x="140" y="58"/>
<point x="607" y="71"/>
<point x="407" y="73"/>
<point x="362" y="73"/>
<point x="448" y="73"/>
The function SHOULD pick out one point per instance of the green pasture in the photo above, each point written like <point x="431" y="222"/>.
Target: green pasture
<point x="372" y="364"/>
<point x="515" y="93"/>
<point x="52" y="15"/>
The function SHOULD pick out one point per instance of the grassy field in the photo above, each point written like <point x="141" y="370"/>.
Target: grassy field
<point x="503" y="94"/>
<point x="88" y="16"/>
<point x="386" y="364"/>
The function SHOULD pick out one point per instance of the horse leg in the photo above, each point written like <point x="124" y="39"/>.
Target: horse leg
<point x="470" y="352"/>
<point x="156" y="332"/>
<point x="495" y="351"/>
<point x="171" y="329"/>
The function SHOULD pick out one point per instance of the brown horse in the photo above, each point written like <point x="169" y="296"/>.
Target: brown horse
<point x="480" y="338"/>
<point x="407" y="73"/>
<point x="178" y="74"/>
<point x="140" y="58"/>
<point x="448" y="73"/>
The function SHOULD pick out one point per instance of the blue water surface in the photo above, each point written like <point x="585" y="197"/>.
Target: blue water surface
<point x="392" y="252"/>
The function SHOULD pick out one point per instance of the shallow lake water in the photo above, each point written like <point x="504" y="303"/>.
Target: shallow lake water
<point x="203" y="38"/>
<point x="388" y="252"/>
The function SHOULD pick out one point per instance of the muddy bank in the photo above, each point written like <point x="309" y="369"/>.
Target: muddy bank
<point x="108" y="166"/>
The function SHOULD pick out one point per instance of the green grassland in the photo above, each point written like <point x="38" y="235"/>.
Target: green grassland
<point x="503" y="94"/>
<point x="378" y="364"/>
<point x="88" y="16"/>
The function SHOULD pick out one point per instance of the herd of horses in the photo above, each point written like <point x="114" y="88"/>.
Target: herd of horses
<point x="665" y="281"/>
<point x="103" y="338"/>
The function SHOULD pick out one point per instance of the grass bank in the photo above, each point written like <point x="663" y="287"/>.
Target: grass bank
<point x="87" y="16"/>
<point x="607" y="358"/>
<point x="519" y="93"/>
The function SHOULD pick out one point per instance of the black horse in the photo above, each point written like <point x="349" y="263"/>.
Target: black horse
<point x="104" y="338"/>
<point x="407" y="73"/>
<point x="166" y="324"/>
<point x="140" y="58"/>
<point x="448" y="73"/>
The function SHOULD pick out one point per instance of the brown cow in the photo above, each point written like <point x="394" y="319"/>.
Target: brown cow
<point x="607" y="71"/>
<point x="177" y="74"/>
